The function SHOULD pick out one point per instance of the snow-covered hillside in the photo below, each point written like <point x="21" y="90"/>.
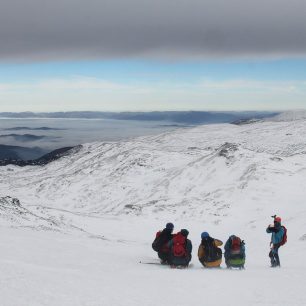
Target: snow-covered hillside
<point x="95" y="212"/>
<point x="291" y="115"/>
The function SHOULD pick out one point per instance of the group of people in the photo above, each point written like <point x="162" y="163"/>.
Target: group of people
<point x="176" y="249"/>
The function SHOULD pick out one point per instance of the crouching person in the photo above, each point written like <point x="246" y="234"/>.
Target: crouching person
<point x="180" y="250"/>
<point x="209" y="253"/>
<point x="234" y="252"/>
<point x="160" y="243"/>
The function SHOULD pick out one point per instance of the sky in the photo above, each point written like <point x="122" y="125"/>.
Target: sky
<point x="140" y="55"/>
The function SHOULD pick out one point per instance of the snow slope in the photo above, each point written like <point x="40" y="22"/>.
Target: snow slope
<point x="88" y="219"/>
<point x="291" y="115"/>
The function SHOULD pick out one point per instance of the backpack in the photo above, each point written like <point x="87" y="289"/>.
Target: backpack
<point x="179" y="246"/>
<point x="236" y="245"/>
<point x="212" y="253"/>
<point x="156" y="245"/>
<point x="284" y="240"/>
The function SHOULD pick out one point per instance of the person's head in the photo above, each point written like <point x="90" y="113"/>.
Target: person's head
<point x="170" y="226"/>
<point x="184" y="232"/>
<point x="277" y="221"/>
<point x="204" y="235"/>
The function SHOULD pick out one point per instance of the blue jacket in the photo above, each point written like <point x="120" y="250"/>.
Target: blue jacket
<point x="277" y="234"/>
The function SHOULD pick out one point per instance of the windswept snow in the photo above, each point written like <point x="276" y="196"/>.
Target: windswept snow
<point x="81" y="224"/>
<point x="291" y="115"/>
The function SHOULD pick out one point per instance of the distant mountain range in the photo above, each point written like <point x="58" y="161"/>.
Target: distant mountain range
<point x="23" y="137"/>
<point x="183" y="117"/>
<point x="20" y="153"/>
<point x="10" y="155"/>
<point x="15" y="154"/>
<point x="25" y="128"/>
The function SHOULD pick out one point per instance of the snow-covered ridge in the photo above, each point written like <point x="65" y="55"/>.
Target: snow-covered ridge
<point x="37" y="217"/>
<point x="202" y="171"/>
<point x="291" y="115"/>
<point x="15" y="214"/>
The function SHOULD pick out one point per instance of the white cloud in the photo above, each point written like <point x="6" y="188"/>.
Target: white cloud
<point x="86" y="93"/>
<point x="75" y="83"/>
<point x="254" y="85"/>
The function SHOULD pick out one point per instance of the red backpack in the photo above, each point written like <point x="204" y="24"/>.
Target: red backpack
<point x="284" y="240"/>
<point x="236" y="245"/>
<point x="179" y="245"/>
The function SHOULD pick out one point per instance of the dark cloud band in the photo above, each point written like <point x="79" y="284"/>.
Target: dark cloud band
<point x="166" y="29"/>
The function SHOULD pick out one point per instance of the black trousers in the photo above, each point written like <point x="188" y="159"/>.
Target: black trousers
<point x="274" y="256"/>
<point x="164" y="256"/>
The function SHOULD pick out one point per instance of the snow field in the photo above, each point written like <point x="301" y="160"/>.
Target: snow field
<point x="49" y="268"/>
<point x="87" y="220"/>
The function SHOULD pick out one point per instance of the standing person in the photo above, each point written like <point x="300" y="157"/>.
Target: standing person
<point x="209" y="253"/>
<point x="234" y="252"/>
<point x="160" y="243"/>
<point x="279" y="238"/>
<point x="180" y="250"/>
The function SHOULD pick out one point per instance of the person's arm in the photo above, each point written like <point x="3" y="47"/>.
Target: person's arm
<point x="271" y="229"/>
<point x="218" y="242"/>
<point x="227" y="246"/>
<point x="169" y="244"/>
<point x="200" y="251"/>
<point x="189" y="246"/>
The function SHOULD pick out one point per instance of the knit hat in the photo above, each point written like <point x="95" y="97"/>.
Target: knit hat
<point x="278" y="219"/>
<point x="170" y="226"/>
<point x="184" y="232"/>
<point x="204" y="235"/>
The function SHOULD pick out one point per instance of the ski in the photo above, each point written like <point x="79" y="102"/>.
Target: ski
<point x="151" y="263"/>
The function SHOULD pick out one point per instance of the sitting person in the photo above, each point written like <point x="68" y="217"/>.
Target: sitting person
<point x="234" y="252"/>
<point x="209" y="253"/>
<point x="160" y="243"/>
<point x="180" y="250"/>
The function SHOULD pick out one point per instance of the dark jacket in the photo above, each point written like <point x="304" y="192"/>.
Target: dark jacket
<point x="164" y="237"/>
